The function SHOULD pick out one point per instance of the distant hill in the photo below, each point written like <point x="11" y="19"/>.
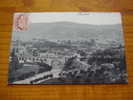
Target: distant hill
<point x="71" y="31"/>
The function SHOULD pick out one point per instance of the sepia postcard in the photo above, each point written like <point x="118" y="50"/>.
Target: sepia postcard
<point x="67" y="48"/>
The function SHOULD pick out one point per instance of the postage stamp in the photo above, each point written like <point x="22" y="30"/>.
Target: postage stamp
<point x="21" y="22"/>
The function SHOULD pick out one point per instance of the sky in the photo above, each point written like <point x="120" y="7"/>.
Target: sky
<point x="97" y="18"/>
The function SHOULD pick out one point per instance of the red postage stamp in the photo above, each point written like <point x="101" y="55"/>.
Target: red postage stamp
<point x="21" y="22"/>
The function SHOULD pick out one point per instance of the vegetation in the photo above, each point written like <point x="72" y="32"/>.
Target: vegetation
<point x="103" y="66"/>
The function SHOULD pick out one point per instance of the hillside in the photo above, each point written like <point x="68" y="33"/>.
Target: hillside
<point x="71" y="31"/>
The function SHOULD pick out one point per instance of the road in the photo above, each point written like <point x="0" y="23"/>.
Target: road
<point x="54" y="72"/>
